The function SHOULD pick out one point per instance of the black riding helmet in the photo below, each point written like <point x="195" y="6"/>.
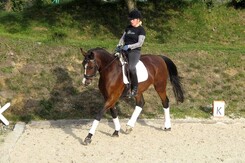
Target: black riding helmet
<point x="134" y="14"/>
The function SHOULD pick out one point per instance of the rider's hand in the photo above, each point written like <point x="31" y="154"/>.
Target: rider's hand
<point x="125" y="47"/>
<point x="117" y="54"/>
<point x="118" y="48"/>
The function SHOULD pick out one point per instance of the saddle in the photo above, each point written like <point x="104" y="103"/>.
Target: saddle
<point x="141" y="71"/>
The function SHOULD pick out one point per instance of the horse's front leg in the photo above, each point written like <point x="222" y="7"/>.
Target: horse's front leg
<point x="116" y="122"/>
<point x="138" y="108"/>
<point x="96" y="121"/>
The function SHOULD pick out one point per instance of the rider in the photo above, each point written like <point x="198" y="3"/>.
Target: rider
<point x="132" y="41"/>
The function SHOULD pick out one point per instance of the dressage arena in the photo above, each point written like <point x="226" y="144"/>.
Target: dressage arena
<point x="191" y="140"/>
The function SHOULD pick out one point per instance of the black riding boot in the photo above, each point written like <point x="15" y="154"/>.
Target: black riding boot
<point x="134" y="85"/>
<point x="134" y="91"/>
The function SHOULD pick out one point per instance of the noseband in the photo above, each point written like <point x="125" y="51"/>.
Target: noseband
<point x="94" y="67"/>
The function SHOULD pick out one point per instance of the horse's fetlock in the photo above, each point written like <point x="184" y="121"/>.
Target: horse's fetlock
<point x="87" y="141"/>
<point x="129" y="129"/>
<point x="115" y="133"/>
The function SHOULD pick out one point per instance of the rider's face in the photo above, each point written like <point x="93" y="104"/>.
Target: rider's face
<point x="135" y="22"/>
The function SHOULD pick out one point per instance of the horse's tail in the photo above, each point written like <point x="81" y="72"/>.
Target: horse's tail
<point x="174" y="79"/>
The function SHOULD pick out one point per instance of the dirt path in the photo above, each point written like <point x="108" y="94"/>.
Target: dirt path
<point x="189" y="141"/>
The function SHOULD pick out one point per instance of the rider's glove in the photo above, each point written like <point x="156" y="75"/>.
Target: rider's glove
<point x="118" y="48"/>
<point x="125" y="47"/>
<point x="117" y="54"/>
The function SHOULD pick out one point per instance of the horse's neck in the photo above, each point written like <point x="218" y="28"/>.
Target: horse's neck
<point x="108" y="65"/>
<point x="105" y="62"/>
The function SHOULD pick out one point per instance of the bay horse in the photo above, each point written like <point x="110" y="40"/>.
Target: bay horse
<point x="111" y="85"/>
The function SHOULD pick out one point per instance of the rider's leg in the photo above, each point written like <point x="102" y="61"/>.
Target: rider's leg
<point x="134" y="82"/>
<point x="133" y="59"/>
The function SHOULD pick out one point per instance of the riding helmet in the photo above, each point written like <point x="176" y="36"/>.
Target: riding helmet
<point x="135" y="14"/>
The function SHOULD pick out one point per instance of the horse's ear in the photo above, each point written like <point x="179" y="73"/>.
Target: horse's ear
<point x="91" y="55"/>
<point x="83" y="52"/>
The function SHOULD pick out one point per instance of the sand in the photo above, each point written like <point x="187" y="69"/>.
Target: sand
<point x="221" y="140"/>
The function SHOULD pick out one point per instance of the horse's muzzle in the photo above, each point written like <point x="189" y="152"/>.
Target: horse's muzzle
<point x="86" y="82"/>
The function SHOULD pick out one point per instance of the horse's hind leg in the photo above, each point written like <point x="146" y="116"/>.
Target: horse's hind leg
<point x="138" y="108"/>
<point x="165" y="102"/>
<point x="167" y="123"/>
<point x="115" y="121"/>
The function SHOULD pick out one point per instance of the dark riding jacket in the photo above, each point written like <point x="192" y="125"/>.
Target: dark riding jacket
<point x="133" y="37"/>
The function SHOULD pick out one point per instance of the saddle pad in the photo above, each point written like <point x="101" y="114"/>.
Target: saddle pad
<point x="141" y="71"/>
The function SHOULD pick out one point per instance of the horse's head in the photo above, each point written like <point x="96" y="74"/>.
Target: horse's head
<point x="90" y="67"/>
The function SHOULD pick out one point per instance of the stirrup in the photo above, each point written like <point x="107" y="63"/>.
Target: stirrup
<point x="133" y="93"/>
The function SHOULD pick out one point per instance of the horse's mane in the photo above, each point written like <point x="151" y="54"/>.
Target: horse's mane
<point x="100" y="50"/>
<point x="97" y="49"/>
<point x="93" y="49"/>
<point x="101" y="54"/>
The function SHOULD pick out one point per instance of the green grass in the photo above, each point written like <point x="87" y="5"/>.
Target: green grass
<point x="41" y="70"/>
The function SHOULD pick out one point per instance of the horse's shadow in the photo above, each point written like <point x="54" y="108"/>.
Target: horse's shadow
<point x="144" y="123"/>
<point x="67" y="127"/>
<point x="70" y="132"/>
<point x="67" y="102"/>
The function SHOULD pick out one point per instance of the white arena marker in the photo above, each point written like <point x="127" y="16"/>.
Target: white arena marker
<point x="218" y="108"/>
<point x="2" y="118"/>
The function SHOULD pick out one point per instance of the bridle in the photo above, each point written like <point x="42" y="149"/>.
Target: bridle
<point x="96" y="67"/>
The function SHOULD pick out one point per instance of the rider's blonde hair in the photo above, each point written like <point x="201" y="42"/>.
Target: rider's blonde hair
<point x="140" y="23"/>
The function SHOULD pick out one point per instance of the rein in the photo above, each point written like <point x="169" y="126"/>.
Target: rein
<point x="97" y="68"/>
<point x="108" y="65"/>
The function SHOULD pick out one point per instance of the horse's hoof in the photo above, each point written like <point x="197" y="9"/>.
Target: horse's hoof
<point x="87" y="141"/>
<point x="129" y="129"/>
<point x="115" y="134"/>
<point x="167" y="129"/>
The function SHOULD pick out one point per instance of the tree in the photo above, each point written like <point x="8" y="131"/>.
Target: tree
<point x="7" y="5"/>
<point x="131" y="4"/>
<point x="238" y="4"/>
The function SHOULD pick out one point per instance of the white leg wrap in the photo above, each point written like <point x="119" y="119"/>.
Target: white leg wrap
<point x="134" y="116"/>
<point x="117" y="124"/>
<point x="94" y="126"/>
<point x="83" y="81"/>
<point x="167" y="122"/>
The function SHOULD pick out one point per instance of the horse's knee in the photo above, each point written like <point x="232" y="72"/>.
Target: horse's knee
<point x="165" y="103"/>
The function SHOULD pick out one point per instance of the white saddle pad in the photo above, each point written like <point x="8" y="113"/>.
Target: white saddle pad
<point x="141" y="71"/>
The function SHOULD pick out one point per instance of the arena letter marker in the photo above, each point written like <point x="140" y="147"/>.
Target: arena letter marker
<point x="2" y="118"/>
<point x="218" y="108"/>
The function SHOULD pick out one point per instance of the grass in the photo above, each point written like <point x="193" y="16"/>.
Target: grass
<point x="41" y="69"/>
